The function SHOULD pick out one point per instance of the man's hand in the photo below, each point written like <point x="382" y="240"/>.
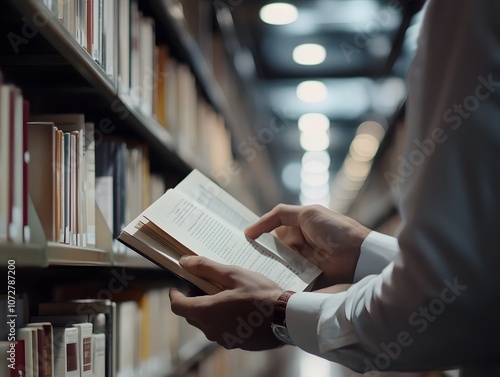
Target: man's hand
<point x="329" y="240"/>
<point x="238" y="317"/>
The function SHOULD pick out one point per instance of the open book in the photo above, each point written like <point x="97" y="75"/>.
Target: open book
<point x="198" y="217"/>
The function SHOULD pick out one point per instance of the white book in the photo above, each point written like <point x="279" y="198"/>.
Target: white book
<point x="99" y="347"/>
<point x="4" y="160"/>
<point x="176" y="224"/>
<point x="66" y="351"/>
<point x="97" y="32"/>
<point x="89" y="184"/>
<point x="85" y="349"/>
<point x="16" y="226"/>
<point x="128" y="312"/>
<point x="135" y="69"/>
<point x="109" y="29"/>
<point x="146" y="56"/>
<point x="124" y="39"/>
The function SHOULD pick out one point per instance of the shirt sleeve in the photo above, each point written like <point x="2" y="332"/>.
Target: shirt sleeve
<point x="377" y="251"/>
<point x="436" y="304"/>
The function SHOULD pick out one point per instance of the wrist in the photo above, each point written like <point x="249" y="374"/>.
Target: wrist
<point x="279" y="318"/>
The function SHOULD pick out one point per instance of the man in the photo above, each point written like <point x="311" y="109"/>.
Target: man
<point x="430" y="299"/>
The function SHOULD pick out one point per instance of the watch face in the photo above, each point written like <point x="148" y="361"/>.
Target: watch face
<point x="281" y="333"/>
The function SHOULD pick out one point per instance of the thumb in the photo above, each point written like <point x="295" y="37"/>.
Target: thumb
<point x="207" y="269"/>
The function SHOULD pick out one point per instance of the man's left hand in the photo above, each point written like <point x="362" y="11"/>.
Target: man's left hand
<point x="240" y="316"/>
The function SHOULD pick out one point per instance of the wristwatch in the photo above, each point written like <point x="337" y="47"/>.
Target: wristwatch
<point x="278" y="325"/>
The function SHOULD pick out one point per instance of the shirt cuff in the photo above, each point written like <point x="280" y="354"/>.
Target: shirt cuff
<point x="377" y="251"/>
<point x="303" y="319"/>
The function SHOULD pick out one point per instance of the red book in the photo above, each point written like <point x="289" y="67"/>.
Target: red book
<point x="20" y="367"/>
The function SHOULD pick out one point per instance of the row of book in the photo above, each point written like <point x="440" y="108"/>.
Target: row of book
<point x="139" y="336"/>
<point x="148" y="76"/>
<point x="55" y="161"/>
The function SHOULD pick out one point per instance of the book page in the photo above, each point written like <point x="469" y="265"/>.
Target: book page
<point x="207" y="235"/>
<point x="208" y="195"/>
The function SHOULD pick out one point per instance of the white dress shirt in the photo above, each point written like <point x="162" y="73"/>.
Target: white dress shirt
<point x="430" y="299"/>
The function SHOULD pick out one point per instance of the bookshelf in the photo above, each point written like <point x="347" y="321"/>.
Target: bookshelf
<point x="57" y="75"/>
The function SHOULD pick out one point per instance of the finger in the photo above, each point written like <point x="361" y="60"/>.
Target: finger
<point x="184" y="306"/>
<point x="207" y="269"/>
<point x="282" y="214"/>
<point x="292" y="236"/>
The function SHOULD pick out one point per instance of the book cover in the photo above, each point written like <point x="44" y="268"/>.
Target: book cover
<point x="85" y="348"/>
<point x="42" y="149"/>
<point x="45" y="348"/>
<point x="66" y="352"/>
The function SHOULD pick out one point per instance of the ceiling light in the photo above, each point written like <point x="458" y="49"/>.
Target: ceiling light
<point x="314" y="142"/>
<point x="356" y="170"/>
<point x="315" y="192"/>
<point x="314" y="122"/>
<point x="316" y="162"/>
<point x="279" y="13"/>
<point x="364" y="147"/>
<point x="312" y="91"/>
<point x="314" y="179"/>
<point x="371" y="128"/>
<point x="309" y="54"/>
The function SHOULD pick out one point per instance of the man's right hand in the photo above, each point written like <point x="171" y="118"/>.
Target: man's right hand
<point x="329" y="240"/>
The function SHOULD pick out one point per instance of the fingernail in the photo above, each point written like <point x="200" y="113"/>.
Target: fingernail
<point x="184" y="259"/>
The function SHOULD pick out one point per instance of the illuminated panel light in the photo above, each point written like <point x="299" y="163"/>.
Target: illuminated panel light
<point x="314" y="142"/>
<point x="279" y="13"/>
<point x="309" y="54"/>
<point x="314" y="179"/>
<point x="364" y="147"/>
<point x="314" y="122"/>
<point x="316" y="162"/>
<point x="312" y="91"/>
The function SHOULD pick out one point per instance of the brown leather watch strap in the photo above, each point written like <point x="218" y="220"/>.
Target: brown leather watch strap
<point x="280" y="308"/>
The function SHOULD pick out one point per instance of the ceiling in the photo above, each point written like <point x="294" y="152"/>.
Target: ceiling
<point x="369" y="44"/>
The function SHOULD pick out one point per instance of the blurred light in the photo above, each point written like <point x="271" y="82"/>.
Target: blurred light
<point x="356" y="170"/>
<point x="316" y="162"/>
<point x="354" y="12"/>
<point x="314" y="179"/>
<point x="380" y="46"/>
<point x="315" y="142"/>
<point x="291" y="176"/>
<point x="371" y="128"/>
<point x="325" y="202"/>
<point x="390" y="94"/>
<point x="314" y="122"/>
<point x="312" y="91"/>
<point x="309" y="54"/>
<point x="314" y="192"/>
<point x="279" y="13"/>
<point x="364" y="147"/>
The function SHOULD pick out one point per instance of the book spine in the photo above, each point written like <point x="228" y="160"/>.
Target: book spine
<point x="26" y="158"/>
<point x="5" y="146"/>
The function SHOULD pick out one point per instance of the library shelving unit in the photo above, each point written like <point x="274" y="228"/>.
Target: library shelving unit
<point x="56" y="74"/>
